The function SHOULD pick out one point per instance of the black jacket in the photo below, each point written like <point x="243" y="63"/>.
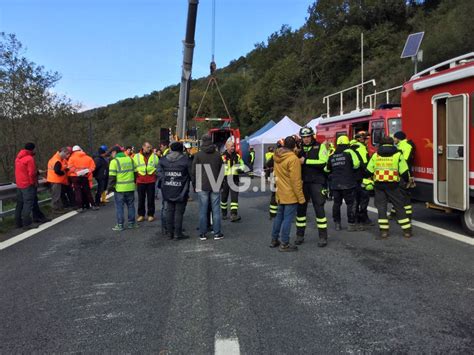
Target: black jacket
<point x="175" y="172"/>
<point x="208" y="155"/>
<point x="341" y="168"/>
<point x="101" y="171"/>
<point x="312" y="173"/>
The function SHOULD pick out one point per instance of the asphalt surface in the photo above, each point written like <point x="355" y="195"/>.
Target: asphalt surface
<point x="80" y="287"/>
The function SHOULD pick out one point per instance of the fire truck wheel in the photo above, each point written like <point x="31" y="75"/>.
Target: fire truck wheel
<point x="467" y="219"/>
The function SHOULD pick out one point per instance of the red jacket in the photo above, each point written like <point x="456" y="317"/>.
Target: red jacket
<point x="26" y="174"/>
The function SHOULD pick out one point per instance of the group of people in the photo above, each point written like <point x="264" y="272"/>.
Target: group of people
<point x="306" y="170"/>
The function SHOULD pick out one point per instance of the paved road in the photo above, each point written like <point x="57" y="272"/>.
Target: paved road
<point x="80" y="287"/>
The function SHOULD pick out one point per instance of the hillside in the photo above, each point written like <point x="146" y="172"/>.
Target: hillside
<point x="293" y="69"/>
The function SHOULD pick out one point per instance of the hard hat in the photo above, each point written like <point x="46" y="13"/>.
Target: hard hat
<point x="306" y="132"/>
<point x="104" y="147"/>
<point x="342" y="140"/>
<point x="76" y="148"/>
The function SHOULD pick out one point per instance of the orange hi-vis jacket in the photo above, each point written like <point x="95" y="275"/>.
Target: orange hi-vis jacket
<point x="51" y="176"/>
<point x="80" y="161"/>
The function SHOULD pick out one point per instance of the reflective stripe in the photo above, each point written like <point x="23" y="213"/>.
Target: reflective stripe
<point x="383" y="220"/>
<point x="301" y="224"/>
<point x="384" y="226"/>
<point x="406" y="226"/>
<point x="403" y="221"/>
<point x="301" y="219"/>
<point x="125" y="182"/>
<point x="321" y="219"/>
<point x="322" y="226"/>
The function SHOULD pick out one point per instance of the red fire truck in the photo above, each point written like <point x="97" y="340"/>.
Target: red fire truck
<point x="386" y="119"/>
<point x="437" y="109"/>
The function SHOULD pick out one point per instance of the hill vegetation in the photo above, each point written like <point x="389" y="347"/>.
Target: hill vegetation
<point x="293" y="69"/>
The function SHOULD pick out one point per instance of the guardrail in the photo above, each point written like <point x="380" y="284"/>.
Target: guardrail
<point x="8" y="192"/>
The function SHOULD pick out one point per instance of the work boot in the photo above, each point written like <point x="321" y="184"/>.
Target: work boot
<point x="140" y="218"/>
<point x="275" y="243"/>
<point x="360" y="227"/>
<point x="287" y="247"/>
<point x="234" y="217"/>
<point x="225" y="217"/>
<point x="33" y="225"/>
<point x="323" y="238"/>
<point x="181" y="237"/>
<point x="382" y="235"/>
<point x="299" y="239"/>
<point x="338" y="226"/>
<point x="352" y="227"/>
<point x="407" y="233"/>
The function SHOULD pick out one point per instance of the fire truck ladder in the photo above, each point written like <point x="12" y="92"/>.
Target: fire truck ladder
<point x="373" y="97"/>
<point x="358" y="89"/>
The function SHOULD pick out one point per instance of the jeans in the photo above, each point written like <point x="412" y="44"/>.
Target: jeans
<point x="122" y="198"/>
<point x="174" y="217"/>
<point x="214" y="198"/>
<point x="146" y="193"/>
<point x="282" y="223"/>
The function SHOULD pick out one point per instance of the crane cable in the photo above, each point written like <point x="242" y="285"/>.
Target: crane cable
<point x="213" y="41"/>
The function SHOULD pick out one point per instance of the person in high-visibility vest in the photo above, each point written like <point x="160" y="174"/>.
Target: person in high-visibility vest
<point x="342" y="167"/>
<point x="57" y="177"/>
<point x="313" y="158"/>
<point x="251" y="158"/>
<point x="81" y="167"/>
<point x="233" y="166"/>
<point x="146" y="163"/>
<point x="387" y="167"/>
<point x="359" y="146"/>
<point x="407" y="147"/>
<point x="268" y="157"/>
<point x="122" y="182"/>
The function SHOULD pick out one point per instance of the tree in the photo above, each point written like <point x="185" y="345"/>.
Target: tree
<point x="26" y="99"/>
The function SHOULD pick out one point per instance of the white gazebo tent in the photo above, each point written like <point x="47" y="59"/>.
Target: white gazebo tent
<point x="286" y="127"/>
<point x="314" y="123"/>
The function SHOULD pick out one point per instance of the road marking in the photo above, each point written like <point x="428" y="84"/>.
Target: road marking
<point x="438" y="230"/>
<point x="226" y="346"/>
<point x="28" y="234"/>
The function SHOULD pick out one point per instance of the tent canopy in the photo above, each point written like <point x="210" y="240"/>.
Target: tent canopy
<point x="282" y="129"/>
<point x="314" y="123"/>
<point x="244" y="143"/>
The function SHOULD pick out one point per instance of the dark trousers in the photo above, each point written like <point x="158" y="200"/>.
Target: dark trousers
<point x="362" y="199"/>
<point x="174" y="216"/>
<point x="101" y="187"/>
<point x="82" y="192"/>
<point x="67" y="196"/>
<point x="234" y="195"/>
<point x="25" y="199"/>
<point x="348" y="196"/>
<point x="273" y="209"/>
<point x="383" y="195"/>
<point x="27" y="205"/>
<point x="146" y="192"/>
<point x="312" y="192"/>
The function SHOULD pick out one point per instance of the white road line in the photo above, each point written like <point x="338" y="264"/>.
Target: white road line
<point x="25" y="235"/>
<point x="440" y="231"/>
<point x="226" y="346"/>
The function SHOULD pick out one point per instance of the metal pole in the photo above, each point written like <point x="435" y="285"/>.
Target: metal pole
<point x="362" y="63"/>
<point x="188" y="51"/>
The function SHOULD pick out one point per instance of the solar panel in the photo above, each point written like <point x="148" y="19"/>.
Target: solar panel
<point x="412" y="45"/>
